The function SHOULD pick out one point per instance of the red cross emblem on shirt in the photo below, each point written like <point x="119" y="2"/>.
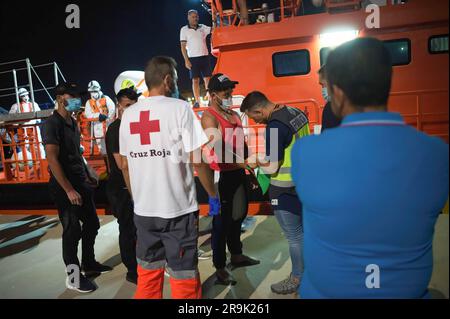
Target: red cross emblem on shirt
<point x="144" y="127"/>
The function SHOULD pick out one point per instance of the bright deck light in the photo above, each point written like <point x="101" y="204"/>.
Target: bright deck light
<point x="333" y="39"/>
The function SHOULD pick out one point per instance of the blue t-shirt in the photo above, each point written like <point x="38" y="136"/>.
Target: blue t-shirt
<point x="371" y="190"/>
<point x="281" y="198"/>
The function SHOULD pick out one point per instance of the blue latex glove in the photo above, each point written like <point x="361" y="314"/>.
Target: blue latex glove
<point x="214" y="206"/>
<point x="102" y="117"/>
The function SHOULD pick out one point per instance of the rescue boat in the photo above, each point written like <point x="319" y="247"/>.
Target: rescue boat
<point x="280" y="56"/>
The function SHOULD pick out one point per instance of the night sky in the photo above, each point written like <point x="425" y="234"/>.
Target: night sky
<point x="115" y="36"/>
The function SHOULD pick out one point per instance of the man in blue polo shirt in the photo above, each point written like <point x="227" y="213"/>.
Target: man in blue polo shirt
<point x="369" y="210"/>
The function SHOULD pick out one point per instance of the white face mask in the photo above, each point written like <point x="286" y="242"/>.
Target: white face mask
<point x="227" y="103"/>
<point x="325" y="95"/>
<point x="95" y="95"/>
<point x="26" y="98"/>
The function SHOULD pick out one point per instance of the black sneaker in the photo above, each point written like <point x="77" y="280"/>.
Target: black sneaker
<point x="84" y="286"/>
<point x="95" y="268"/>
<point x="132" y="277"/>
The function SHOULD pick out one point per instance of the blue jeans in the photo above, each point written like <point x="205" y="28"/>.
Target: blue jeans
<point x="292" y="226"/>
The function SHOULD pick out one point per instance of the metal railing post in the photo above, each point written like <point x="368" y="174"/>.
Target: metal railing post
<point x="30" y="82"/>
<point x="55" y="71"/>
<point x="16" y="87"/>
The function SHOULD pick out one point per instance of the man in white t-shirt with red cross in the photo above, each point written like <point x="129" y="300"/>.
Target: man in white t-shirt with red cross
<point x="160" y="139"/>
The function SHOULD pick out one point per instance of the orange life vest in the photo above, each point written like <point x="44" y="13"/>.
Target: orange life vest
<point x="103" y="106"/>
<point x="29" y="104"/>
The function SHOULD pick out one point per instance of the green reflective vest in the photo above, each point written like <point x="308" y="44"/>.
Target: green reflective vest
<point x="297" y="121"/>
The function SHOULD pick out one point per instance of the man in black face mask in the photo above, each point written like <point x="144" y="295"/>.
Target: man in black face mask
<point x="70" y="187"/>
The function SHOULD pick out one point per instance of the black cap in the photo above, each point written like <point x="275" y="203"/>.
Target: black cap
<point x="220" y="82"/>
<point x="68" y="88"/>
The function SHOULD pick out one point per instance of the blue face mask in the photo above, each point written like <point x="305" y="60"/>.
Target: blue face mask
<point x="325" y="95"/>
<point x="175" y="92"/>
<point x="73" y="105"/>
<point x="227" y="103"/>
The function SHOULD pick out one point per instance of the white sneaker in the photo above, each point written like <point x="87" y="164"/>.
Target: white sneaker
<point x="203" y="255"/>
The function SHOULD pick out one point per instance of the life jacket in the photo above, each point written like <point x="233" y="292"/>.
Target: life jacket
<point x="22" y="109"/>
<point x="103" y="106"/>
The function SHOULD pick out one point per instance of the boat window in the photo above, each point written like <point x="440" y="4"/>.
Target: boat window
<point x="324" y="52"/>
<point x="400" y="51"/>
<point x="438" y="44"/>
<point x="290" y="63"/>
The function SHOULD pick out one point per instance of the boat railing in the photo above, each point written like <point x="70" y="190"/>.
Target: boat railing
<point x="25" y="65"/>
<point x="419" y="116"/>
<point x="222" y="16"/>
<point x="22" y="154"/>
<point x="254" y="132"/>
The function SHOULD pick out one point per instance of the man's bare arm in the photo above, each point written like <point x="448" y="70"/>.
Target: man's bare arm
<point x="204" y="172"/>
<point x="185" y="55"/>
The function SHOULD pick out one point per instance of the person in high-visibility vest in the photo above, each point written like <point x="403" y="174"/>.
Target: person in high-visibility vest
<point x="285" y="125"/>
<point x="27" y="106"/>
<point x="100" y="107"/>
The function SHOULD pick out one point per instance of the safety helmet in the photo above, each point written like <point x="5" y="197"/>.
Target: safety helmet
<point x="94" y="86"/>
<point x="23" y="92"/>
<point x="128" y="84"/>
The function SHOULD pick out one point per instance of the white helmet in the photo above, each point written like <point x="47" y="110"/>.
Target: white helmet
<point x="94" y="86"/>
<point x="23" y="92"/>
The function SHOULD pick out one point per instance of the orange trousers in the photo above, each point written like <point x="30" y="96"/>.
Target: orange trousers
<point x="151" y="284"/>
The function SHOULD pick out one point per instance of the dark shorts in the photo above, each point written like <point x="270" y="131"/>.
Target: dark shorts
<point x="167" y="240"/>
<point x="201" y="67"/>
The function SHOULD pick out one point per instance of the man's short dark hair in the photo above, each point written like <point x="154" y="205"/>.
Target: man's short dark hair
<point x="157" y="69"/>
<point x="254" y="100"/>
<point x="128" y="93"/>
<point x="362" y="69"/>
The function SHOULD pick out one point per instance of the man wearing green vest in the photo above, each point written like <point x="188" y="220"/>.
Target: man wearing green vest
<point x="285" y="125"/>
